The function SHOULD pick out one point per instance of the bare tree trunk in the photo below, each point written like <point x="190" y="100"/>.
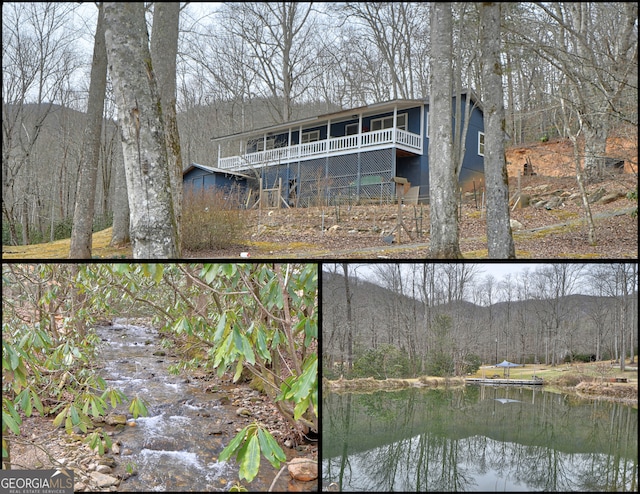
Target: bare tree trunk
<point x="164" y="49"/>
<point x="566" y="117"/>
<point x="583" y="193"/>
<point x="499" y="238"/>
<point x="347" y="291"/>
<point x="442" y="177"/>
<point x="120" y="230"/>
<point x="152" y="226"/>
<point x="595" y="143"/>
<point x="81" y="233"/>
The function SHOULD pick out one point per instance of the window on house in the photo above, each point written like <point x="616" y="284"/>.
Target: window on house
<point x="351" y="129"/>
<point x="481" y="143"/>
<point x="311" y="136"/>
<point x="387" y="122"/>
<point x="270" y="143"/>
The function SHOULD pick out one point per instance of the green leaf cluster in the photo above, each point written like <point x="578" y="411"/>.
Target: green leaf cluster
<point x="49" y="360"/>
<point x="247" y="445"/>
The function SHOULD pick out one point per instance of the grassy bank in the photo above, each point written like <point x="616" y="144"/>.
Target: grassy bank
<point x="59" y="249"/>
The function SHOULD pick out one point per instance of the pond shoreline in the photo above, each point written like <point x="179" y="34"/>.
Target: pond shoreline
<point x="369" y="384"/>
<point x="622" y="393"/>
<point x="627" y="394"/>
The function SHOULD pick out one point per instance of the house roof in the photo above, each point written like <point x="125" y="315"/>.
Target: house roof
<point x="375" y="107"/>
<point x="213" y="169"/>
<point x="309" y="121"/>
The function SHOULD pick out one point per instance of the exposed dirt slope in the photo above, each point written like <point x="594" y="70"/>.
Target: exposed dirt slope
<point x="555" y="158"/>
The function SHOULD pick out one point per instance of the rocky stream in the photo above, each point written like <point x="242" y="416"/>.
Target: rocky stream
<point x="190" y="421"/>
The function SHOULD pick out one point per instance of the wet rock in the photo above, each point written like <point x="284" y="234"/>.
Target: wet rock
<point x="161" y="444"/>
<point x="103" y="480"/>
<point x="303" y="469"/>
<point x="113" y="419"/>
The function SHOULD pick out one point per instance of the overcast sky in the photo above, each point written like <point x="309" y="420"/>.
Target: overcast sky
<point x="498" y="270"/>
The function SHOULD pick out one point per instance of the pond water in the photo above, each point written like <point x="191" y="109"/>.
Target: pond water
<point x="176" y="447"/>
<point x="477" y="438"/>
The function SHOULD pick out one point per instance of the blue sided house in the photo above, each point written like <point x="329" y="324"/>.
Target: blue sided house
<point x="198" y="179"/>
<point x="352" y="154"/>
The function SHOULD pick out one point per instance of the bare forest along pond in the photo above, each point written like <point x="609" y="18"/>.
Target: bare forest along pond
<point x="478" y="439"/>
<point x="176" y="447"/>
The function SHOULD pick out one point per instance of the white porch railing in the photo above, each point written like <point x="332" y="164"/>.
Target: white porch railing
<point x="332" y="146"/>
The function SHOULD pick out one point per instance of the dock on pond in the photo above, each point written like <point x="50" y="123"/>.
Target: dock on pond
<point x="520" y="382"/>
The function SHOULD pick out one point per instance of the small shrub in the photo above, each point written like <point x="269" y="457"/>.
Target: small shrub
<point x="570" y="380"/>
<point x="578" y="357"/>
<point x="633" y="195"/>
<point x="211" y="220"/>
<point x="470" y="364"/>
<point x="62" y="229"/>
<point x="384" y="362"/>
<point x="440" y="365"/>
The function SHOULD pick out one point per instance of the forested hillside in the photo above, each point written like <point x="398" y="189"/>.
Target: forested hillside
<point x="444" y="319"/>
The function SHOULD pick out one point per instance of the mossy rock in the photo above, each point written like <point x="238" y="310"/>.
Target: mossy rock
<point x="257" y="384"/>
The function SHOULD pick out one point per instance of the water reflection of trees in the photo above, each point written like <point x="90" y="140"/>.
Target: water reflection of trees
<point x="439" y="460"/>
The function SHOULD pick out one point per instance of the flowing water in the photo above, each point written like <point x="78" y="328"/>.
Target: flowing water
<point x="478" y="439"/>
<point x="176" y="447"/>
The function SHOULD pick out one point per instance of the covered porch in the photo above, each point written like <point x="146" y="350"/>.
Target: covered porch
<point x="396" y="124"/>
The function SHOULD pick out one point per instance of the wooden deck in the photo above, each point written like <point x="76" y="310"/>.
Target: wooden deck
<point x="496" y="382"/>
<point x="334" y="146"/>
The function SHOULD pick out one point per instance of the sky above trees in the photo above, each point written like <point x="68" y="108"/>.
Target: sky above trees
<point x="499" y="271"/>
